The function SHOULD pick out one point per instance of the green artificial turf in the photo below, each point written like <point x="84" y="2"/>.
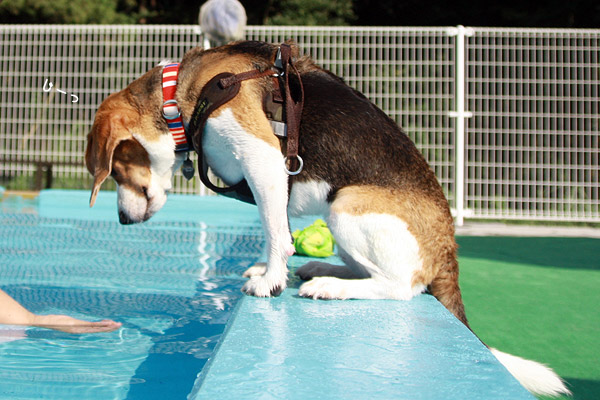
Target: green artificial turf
<point x="538" y="298"/>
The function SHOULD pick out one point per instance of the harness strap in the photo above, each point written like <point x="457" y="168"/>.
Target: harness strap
<point x="273" y="108"/>
<point x="224" y="87"/>
<point x="293" y="112"/>
<point x="242" y="76"/>
<point x="212" y="96"/>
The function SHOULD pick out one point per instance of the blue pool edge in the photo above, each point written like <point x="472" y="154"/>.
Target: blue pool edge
<point x="295" y="348"/>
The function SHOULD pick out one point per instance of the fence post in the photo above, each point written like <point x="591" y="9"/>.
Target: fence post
<point x="460" y="114"/>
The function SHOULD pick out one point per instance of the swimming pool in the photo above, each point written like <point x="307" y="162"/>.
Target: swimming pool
<point x="172" y="281"/>
<point x="175" y="282"/>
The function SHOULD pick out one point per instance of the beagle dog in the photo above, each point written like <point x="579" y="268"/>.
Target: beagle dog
<point x="361" y="172"/>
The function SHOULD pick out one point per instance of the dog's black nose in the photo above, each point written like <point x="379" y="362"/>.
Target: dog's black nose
<point x="124" y="219"/>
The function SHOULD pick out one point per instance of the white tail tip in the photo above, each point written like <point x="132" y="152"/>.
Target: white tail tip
<point x="535" y="377"/>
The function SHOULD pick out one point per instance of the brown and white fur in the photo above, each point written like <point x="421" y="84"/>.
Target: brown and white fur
<point x="381" y="200"/>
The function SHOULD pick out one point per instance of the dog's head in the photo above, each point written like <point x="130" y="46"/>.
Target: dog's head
<point x="126" y="144"/>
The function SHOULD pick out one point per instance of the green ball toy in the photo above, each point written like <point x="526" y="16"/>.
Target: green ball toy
<point x="315" y="240"/>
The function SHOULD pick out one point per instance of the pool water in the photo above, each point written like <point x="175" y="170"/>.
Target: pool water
<point x="172" y="281"/>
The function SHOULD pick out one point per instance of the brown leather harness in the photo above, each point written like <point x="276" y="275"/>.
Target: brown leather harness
<point x="281" y="108"/>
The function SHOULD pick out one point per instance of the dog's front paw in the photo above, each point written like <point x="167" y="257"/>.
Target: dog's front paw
<point x="263" y="286"/>
<point x="324" y="288"/>
<point x="257" y="269"/>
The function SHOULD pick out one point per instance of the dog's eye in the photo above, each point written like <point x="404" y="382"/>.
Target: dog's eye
<point x="145" y="190"/>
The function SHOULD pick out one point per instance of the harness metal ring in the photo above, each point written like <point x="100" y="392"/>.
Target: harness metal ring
<point x="292" y="173"/>
<point x="169" y="117"/>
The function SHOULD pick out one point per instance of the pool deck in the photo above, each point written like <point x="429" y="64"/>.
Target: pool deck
<point x="294" y="348"/>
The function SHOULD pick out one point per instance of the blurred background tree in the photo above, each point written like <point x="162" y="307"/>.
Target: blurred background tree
<point x="70" y="12"/>
<point x="509" y="13"/>
<point x="304" y="12"/>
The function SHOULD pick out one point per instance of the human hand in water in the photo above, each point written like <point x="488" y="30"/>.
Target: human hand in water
<point x="64" y="323"/>
<point x="13" y="313"/>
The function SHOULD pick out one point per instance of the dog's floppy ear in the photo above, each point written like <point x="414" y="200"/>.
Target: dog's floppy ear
<point x="108" y="131"/>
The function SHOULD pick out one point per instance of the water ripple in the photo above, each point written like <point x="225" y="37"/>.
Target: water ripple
<point x="172" y="284"/>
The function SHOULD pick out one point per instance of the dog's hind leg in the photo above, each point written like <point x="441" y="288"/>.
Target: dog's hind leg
<point x="315" y="269"/>
<point x="379" y="248"/>
<point x="351" y="270"/>
<point x="257" y="269"/>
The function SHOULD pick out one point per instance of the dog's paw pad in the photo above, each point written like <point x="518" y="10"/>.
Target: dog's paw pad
<point x="257" y="269"/>
<point x="323" y="288"/>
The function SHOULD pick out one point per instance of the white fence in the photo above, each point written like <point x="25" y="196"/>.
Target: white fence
<point x="507" y="118"/>
<point x="532" y="143"/>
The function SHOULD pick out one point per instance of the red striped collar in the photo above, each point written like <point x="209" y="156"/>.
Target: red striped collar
<point x="170" y="107"/>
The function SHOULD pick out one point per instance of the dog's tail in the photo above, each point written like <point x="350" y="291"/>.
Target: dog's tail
<point x="535" y="377"/>
<point x="445" y="288"/>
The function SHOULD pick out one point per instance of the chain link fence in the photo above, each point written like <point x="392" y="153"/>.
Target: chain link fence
<point x="522" y="105"/>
